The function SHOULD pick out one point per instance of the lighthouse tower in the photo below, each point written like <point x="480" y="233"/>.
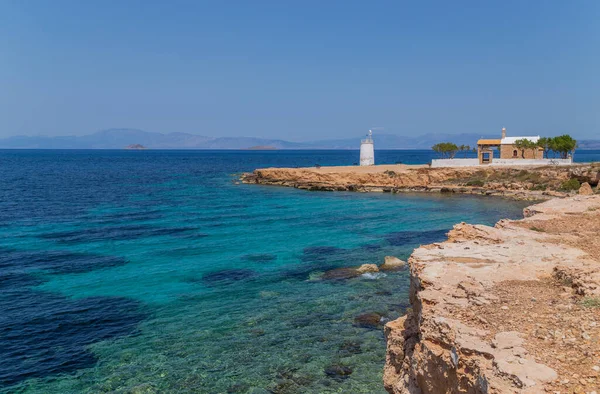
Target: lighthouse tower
<point x="367" y="154"/>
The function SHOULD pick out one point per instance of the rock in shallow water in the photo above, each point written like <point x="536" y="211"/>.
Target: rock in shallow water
<point x="321" y="250"/>
<point x="367" y="268"/>
<point x="350" y="347"/>
<point x="369" y="320"/>
<point x="341" y="274"/>
<point x="259" y="258"/>
<point x="237" y="388"/>
<point x="392" y="263"/>
<point x="338" y="371"/>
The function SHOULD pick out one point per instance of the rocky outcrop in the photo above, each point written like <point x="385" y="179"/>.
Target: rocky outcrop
<point x="586" y="189"/>
<point x="343" y="273"/>
<point x="392" y="263"/>
<point x="363" y="269"/>
<point x="519" y="182"/>
<point x="507" y="309"/>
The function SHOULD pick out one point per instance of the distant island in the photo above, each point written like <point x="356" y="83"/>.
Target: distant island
<point x="262" y="147"/>
<point x="119" y="138"/>
<point x="135" y="146"/>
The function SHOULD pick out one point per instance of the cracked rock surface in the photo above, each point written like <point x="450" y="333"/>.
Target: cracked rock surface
<point x="513" y="308"/>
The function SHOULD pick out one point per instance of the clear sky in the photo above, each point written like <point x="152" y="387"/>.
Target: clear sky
<point x="300" y="70"/>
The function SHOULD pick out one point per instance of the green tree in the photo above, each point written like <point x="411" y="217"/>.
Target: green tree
<point x="446" y="150"/>
<point x="564" y="145"/>
<point x="524" y="144"/>
<point x="545" y="144"/>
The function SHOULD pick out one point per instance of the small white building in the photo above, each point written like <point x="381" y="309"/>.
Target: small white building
<point x="367" y="152"/>
<point x="507" y="154"/>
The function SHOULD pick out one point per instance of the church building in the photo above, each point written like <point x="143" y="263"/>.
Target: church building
<point x="507" y="149"/>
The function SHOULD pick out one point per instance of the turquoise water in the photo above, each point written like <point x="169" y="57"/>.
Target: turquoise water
<point x="155" y="272"/>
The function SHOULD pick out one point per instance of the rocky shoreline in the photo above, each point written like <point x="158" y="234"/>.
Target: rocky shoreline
<point x="513" y="308"/>
<point x="525" y="183"/>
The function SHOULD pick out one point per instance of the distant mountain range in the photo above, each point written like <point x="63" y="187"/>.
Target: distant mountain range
<point x="588" y="144"/>
<point x="122" y="138"/>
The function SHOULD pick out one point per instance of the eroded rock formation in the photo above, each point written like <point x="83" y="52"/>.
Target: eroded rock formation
<point x="520" y="182"/>
<point x="507" y="309"/>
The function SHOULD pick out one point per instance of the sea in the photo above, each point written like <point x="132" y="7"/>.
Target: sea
<point x="158" y="272"/>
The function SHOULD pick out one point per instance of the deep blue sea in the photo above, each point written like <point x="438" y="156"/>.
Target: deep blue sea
<point x="154" y="272"/>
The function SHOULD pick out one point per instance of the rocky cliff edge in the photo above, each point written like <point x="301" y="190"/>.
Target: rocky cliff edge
<point x="513" y="308"/>
<point x="523" y="182"/>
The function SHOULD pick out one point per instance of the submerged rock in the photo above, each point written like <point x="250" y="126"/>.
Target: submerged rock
<point x="227" y="277"/>
<point x="341" y="274"/>
<point x="144" y="388"/>
<point x="259" y="258"/>
<point x="338" y="371"/>
<point x="321" y="250"/>
<point x="369" y="320"/>
<point x="371" y="247"/>
<point x="238" y="388"/>
<point x="392" y="263"/>
<point x="350" y="347"/>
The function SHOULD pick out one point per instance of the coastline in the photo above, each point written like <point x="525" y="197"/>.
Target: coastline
<point x="518" y="182"/>
<point x="510" y="308"/>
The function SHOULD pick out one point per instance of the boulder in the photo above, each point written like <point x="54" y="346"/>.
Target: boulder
<point x="367" y="268"/>
<point x="392" y="263"/>
<point x="369" y="320"/>
<point x="586" y="189"/>
<point x="339" y="371"/>
<point x="341" y="274"/>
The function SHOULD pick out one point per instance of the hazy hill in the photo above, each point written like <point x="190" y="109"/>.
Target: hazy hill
<point x="119" y="138"/>
<point x="589" y="144"/>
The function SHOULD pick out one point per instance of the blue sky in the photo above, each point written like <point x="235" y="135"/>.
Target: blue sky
<point x="300" y="70"/>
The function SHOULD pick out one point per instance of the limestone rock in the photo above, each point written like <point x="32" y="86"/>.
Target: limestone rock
<point x="525" y="372"/>
<point x="586" y="189"/>
<point x="341" y="274"/>
<point x="484" y="281"/>
<point x="501" y="180"/>
<point x="367" y="268"/>
<point x="507" y="340"/>
<point x="392" y="263"/>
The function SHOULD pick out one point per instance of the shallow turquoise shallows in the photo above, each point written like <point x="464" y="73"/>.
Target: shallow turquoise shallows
<point x="154" y="271"/>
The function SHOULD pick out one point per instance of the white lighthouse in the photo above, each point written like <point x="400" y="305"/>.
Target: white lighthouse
<point x="367" y="153"/>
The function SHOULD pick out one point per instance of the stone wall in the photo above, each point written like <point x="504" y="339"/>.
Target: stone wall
<point x="531" y="162"/>
<point x="440" y="163"/>
<point x="507" y="152"/>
